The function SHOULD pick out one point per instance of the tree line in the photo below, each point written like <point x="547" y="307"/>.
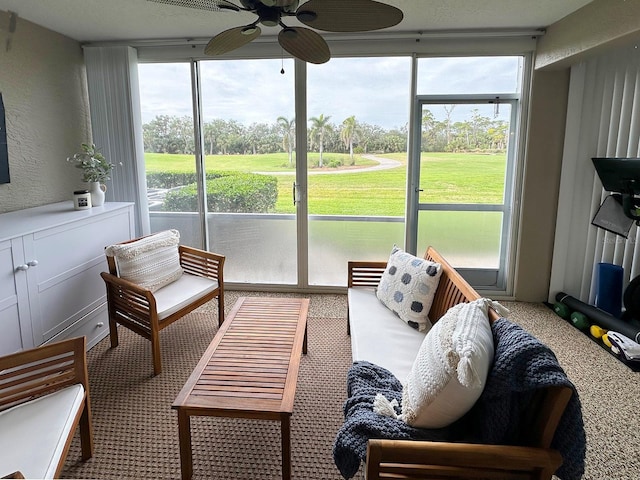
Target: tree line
<point x="171" y="134"/>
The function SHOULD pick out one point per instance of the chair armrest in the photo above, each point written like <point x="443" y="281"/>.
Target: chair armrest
<point x="131" y="299"/>
<point x="124" y="284"/>
<point x="422" y="459"/>
<point x="202" y="263"/>
<point x="17" y="474"/>
<point x="364" y="273"/>
<point x="38" y="371"/>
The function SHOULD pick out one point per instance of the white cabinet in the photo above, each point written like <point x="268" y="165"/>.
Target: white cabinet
<point x="50" y="263"/>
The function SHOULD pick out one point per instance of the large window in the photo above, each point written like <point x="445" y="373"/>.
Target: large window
<point x="290" y="193"/>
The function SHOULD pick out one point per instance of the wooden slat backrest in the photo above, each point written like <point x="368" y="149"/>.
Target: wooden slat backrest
<point x="452" y="289"/>
<point x="201" y="263"/>
<point x="364" y="274"/>
<point x="31" y="373"/>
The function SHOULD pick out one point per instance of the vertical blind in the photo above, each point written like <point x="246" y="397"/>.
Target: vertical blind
<point x="603" y="120"/>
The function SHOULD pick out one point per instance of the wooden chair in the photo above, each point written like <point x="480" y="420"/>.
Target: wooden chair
<point x="147" y="313"/>
<point x="45" y="382"/>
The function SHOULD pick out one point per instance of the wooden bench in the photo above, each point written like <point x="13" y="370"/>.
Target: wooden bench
<point x="423" y="459"/>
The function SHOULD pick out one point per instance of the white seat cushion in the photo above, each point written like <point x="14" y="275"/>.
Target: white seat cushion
<point x="182" y="292"/>
<point x="379" y="336"/>
<point x="33" y="434"/>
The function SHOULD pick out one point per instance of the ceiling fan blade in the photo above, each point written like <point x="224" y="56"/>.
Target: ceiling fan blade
<point x="231" y="39"/>
<point x="348" y="16"/>
<point x="212" y="5"/>
<point x="304" y="44"/>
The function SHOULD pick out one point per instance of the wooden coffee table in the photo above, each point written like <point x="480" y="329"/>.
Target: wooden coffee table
<point x="249" y="370"/>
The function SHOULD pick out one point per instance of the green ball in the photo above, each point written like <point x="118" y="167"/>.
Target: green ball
<point x="580" y="321"/>
<point x="561" y="310"/>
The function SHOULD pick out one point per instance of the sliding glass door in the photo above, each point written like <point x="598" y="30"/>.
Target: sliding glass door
<point x="223" y="176"/>
<point x="169" y="148"/>
<point x="248" y="136"/>
<point x="464" y="155"/>
<point x="358" y="109"/>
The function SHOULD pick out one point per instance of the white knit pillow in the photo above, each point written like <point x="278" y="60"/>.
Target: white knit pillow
<point x="151" y="262"/>
<point x="450" y="370"/>
<point x="407" y="287"/>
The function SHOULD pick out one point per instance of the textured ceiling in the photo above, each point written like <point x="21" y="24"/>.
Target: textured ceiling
<point x="114" y="20"/>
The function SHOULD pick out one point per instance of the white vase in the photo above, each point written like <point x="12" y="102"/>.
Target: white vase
<point x="97" y="190"/>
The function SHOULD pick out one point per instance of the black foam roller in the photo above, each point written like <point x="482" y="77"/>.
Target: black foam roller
<point x="600" y="317"/>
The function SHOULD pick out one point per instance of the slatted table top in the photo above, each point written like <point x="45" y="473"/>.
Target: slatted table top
<point x="250" y="369"/>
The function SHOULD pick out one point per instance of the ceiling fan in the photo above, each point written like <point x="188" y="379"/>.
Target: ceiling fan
<point x="301" y="42"/>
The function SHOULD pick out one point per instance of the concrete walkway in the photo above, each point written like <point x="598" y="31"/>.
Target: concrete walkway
<point x="383" y="164"/>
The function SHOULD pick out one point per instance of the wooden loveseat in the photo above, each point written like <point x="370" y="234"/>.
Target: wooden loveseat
<point x="410" y="459"/>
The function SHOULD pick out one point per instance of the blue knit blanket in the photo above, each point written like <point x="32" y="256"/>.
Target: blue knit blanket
<point x="522" y="364"/>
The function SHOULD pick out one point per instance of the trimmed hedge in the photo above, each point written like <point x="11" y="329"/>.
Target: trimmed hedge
<point x="228" y="192"/>
<point x="173" y="180"/>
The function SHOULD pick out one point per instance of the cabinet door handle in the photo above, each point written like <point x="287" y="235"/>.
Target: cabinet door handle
<point x="23" y="268"/>
<point x="32" y="263"/>
<point x="100" y="324"/>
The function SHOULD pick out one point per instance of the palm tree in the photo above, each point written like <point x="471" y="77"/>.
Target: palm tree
<point x="319" y="126"/>
<point x="348" y="134"/>
<point x="288" y="129"/>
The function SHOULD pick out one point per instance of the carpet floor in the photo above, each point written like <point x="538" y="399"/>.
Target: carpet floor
<point x="136" y="433"/>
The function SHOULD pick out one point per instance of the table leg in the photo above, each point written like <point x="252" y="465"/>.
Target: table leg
<point x="184" y="435"/>
<point x="304" y="341"/>
<point x="286" y="446"/>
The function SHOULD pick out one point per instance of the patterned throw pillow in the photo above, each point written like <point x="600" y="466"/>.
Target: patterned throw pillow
<point x="451" y="367"/>
<point x="151" y="262"/>
<point x="407" y="287"/>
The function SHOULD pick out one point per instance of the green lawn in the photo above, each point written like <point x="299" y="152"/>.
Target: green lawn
<point x="445" y="178"/>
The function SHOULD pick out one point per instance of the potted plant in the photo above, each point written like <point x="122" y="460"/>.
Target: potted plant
<point x="95" y="170"/>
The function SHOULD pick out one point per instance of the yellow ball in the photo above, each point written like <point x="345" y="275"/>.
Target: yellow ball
<point x="597" y="331"/>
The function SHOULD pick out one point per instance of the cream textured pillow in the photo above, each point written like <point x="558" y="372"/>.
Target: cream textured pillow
<point x="450" y="370"/>
<point x="407" y="287"/>
<point x="151" y="262"/>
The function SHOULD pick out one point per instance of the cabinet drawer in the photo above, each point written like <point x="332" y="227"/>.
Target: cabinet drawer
<point x="94" y="326"/>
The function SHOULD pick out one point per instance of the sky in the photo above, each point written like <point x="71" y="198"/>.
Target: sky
<point x="375" y="90"/>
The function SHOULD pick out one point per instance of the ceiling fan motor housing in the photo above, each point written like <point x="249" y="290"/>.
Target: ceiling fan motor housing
<point x="284" y="5"/>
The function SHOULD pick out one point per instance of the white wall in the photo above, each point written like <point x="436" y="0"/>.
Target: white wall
<point x="43" y="86"/>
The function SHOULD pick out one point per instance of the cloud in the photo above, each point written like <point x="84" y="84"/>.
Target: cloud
<point x="375" y="90"/>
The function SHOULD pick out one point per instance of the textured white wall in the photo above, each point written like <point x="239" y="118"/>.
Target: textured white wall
<point x="594" y="29"/>
<point x="43" y="86"/>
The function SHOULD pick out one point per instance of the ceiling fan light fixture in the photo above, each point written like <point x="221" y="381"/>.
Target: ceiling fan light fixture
<point x="306" y="16"/>
<point x="289" y="33"/>
<point x="249" y="30"/>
